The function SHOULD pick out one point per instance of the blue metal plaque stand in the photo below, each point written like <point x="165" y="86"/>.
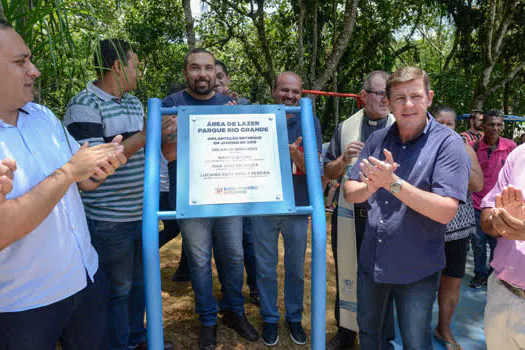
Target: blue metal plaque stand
<point x="151" y="213"/>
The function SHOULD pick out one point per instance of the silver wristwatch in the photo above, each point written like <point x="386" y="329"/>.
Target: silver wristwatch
<point x="395" y="186"/>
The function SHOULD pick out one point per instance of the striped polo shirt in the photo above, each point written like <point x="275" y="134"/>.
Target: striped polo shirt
<point x="94" y="115"/>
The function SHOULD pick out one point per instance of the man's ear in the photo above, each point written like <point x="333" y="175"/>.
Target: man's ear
<point x="117" y="66"/>
<point x="430" y="97"/>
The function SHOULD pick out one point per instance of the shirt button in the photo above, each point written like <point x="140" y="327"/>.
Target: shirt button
<point x="386" y="202"/>
<point x="511" y="268"/>
<point x="74" y="227"/>
<point x="380" y="240"/>
<point x="381" y="221"/>
<point x="404" y="147"/>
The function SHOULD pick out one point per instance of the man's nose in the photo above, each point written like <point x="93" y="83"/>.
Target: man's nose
<point x="33" y="71"/>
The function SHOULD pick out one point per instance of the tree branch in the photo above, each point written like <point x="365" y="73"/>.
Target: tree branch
<point x="506" y="17"/>
<point x="430" y="42"/>
<point x="453" y="51"/>
<point x="506" y="80"/>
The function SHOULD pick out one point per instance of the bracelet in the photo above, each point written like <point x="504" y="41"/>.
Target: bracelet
<point x="95" y="180"/>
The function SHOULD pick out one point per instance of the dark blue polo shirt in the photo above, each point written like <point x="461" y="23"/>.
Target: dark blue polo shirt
<point x="182" y="98"/>
<point x="299" y="181"/>
<point x="400" y="245"/>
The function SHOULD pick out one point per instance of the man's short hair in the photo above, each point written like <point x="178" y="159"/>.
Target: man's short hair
<point x="406" y="74"/>
<point x="367" y="83"/>
<point x="493" y="113"/>
<point x="4" y="24"/>
<point x="474" y="112"/>
<point x="111" y="50"/>
<point x="195" y="51"/>
<point x="442" y="109"/>
<point x="221" y="63"/>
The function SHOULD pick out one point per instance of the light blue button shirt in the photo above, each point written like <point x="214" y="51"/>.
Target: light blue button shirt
<point x="50" y="263"/>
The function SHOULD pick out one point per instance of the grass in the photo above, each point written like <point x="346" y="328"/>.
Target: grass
<point x="181" y="324"/>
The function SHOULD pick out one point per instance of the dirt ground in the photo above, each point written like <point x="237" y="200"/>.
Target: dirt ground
<point x="181" y="324"/>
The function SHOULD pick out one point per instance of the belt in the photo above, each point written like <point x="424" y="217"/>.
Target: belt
<point x="520" y="293"/>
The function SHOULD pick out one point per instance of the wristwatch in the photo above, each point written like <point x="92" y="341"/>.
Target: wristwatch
<point x="395" y="186"/>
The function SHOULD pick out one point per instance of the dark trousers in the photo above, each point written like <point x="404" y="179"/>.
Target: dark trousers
<point x="79" y="322"/>
<point x="170" y="231"/>
<point x="171" y="227"/>
<point x="360" y="216"/>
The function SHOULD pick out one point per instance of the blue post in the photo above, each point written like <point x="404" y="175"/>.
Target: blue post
<point x="150" y="230"/>
<point x="315" y="193"/>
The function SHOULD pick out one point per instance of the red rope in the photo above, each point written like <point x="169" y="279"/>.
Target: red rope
<point x="360" y="102"/>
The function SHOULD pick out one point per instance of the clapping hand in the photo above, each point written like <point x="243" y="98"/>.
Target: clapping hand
<point x="99" y="161"/>
<point x="508" y="217"/>
<point x="352" y="150"/>
<point x="7" y="170"/>
<point x="377" y="173"/>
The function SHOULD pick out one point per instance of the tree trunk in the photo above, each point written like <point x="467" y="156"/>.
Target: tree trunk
<point x="190" y="30"/>
<point x="300" y="37"/>
<point x="506" y="94"/>
<point x="336" y="99"/>
<point x="339" y="49"/>
<point x="2" y="14"/>
<point x="315" y="42"/>
<point x="258" y="21"/>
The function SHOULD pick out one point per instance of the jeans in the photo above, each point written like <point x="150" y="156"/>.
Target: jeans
<point x="224" y="235"/>
<point x="266" y="234"/>
<point x="414" y="310"/>
<point x="119" y="247"/>
<point x="249" y="257"/>
<point x="78" y="322"/>
<point x="479" y="248"/>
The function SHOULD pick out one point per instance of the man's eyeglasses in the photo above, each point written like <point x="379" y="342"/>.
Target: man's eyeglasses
<point x="379" y="94"/>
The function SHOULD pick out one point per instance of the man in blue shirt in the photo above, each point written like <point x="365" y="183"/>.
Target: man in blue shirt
<point x="201" y="235"/>
<point x="287" y="91"/>
<point x="50" y="286"/>
<point x="413" y="175"/>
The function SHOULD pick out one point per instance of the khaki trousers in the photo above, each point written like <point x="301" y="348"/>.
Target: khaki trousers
<point x="504" y="318"/>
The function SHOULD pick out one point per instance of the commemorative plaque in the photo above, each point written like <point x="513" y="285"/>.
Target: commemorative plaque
<point x="234" y="158"/>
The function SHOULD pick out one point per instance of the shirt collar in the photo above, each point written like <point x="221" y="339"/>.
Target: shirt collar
<point x="430" y="124"/>
<point x="501" y="144"/>
<point x="375" y="123"/>
<point x="24" y="110"/>
<point x="104" y="96"/>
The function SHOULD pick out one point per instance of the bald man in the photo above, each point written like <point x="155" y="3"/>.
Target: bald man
<point x="287" y="91"/>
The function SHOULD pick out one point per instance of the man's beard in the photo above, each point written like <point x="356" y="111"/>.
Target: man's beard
<point x="201" y="90"/>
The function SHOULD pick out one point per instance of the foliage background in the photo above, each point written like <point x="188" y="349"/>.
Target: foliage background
<point x="472" y="50"/>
